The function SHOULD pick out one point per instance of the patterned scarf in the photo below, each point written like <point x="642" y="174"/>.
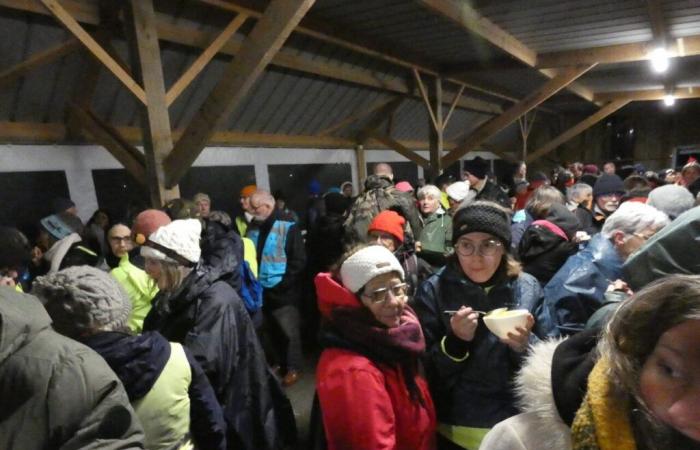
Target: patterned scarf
<point x="356" y="329"/>
<point x="602" y="422"/>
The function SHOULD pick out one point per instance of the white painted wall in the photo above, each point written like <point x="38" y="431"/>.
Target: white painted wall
<point x="78" y="161"/>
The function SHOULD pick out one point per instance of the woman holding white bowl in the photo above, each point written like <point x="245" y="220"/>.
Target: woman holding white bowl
<point x="469" y="368"/>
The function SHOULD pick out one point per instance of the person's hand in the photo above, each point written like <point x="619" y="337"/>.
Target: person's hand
<point x="419" y="246"/>
<point x="7" y="281"/>
<point x="517" y="340"/>
<point x="37" y="254"/>
<point x="464" y="323"/>
<point x="619" y="285"/>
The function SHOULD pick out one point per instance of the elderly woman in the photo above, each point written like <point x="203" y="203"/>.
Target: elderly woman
<point x="638" y="389"/>
<point x="436" y="238"/>
<point x="197" y="308"/>
<point x="469" y="368"/>
<point x="166" y="386"/>
<point x="370" y="390"/>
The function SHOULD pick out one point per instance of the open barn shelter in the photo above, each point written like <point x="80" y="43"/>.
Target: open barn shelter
<point x="162" y="88"/>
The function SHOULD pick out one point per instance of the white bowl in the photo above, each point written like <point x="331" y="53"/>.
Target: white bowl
<point x="501" y="323"/>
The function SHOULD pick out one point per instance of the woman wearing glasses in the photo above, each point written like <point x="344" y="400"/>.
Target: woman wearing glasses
<point x="369" y="387"/>
<point x="469" y="368"/>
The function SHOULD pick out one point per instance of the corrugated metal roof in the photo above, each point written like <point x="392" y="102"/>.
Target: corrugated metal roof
<point x="682" y="17"/>
<point x="553" y="25"/>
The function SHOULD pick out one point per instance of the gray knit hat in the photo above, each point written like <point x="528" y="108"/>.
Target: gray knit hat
<point x="672" y="199"/>
<point x="83" y="300"/>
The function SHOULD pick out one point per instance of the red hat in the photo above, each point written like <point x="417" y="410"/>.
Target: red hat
<point x="146" y="223"/>
<point x="389" y="222"/>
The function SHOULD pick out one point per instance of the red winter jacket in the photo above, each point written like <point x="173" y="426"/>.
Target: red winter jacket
<point x="367" y="405"/>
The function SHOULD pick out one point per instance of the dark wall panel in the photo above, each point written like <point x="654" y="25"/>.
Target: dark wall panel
<point x="294" y="180"/>
<point x="25" y="197"/>
<point x="119" y="193"/>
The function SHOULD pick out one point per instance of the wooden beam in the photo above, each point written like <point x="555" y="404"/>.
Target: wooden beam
<point x="38" y="59"/>
<point x="657" y="21"/>
<point x="681" y="47"/>
<point x="577" y="129"/>
<point x="328" y="32"/>
<point x="426" y="100"/>
<point x="91" y="44"/>
<point x="496" y="124"/>
<point x="201" y="62"/>
<point x="436" y="133"/>
<point x="263" y="42"/>
<point x="158" y="141"/>
<point x="452" y="108"/>
<point x="192" y="37"/>
<point x="109" y="138"/>
<point x="400" y="149"/>
<point x="354" y="117"/>
<point x="378" y="118"/>
<point x="468" y="18"/>
<point x="361" y="167"/>
<point x="648" y="95"/>
<point x="55" y="133"/>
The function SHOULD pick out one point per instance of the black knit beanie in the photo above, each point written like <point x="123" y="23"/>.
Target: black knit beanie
<point x="485" y="217"/>
<point x="477" y="167"/>
<point x="608" y="184"/>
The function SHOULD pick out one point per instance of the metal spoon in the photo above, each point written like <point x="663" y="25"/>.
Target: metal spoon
<point x="452" y="312"/>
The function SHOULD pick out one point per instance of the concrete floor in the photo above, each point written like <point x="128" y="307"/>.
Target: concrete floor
<point x="301" y="395"/>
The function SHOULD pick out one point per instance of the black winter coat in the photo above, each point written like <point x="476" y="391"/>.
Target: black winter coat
<point x="209" y="318"/>
<point x="477" y="391"/>
<point x="493" y="193"/>
<point x="222" y="253"/>
<point x="542" y="252"/>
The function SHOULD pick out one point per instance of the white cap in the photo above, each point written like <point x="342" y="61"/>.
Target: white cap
<point x="368" y="263"/>
<point x="458" y="190"/>
<point x="180" y="236"/>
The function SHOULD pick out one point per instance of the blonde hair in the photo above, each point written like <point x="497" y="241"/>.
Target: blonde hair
<point x="173" y="274"/>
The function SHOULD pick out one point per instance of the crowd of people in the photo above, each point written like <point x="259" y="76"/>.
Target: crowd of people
<point x="181" y="327"/>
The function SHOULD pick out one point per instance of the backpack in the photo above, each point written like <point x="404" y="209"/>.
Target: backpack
<point x="368" y="205"/>
<point x="251" y="289"/>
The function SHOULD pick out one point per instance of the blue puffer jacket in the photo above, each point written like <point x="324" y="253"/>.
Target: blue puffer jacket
<point x="577" y="290"/>
<point x="475" y="392"/>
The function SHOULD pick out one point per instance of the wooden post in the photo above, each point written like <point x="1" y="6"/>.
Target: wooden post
<point x="361" y="167"/>
<point x="435" y="134"/>
<point x="157" y="136"/>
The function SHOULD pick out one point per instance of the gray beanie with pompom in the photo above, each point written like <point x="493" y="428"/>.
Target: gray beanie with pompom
<point x="83" y="300"/>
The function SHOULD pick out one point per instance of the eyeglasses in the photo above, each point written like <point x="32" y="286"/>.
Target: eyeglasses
<point x="116" y="239"/>
<point x="380" y="295"/>
<point x="642" y="237"/>
<point x="488" y="247"/>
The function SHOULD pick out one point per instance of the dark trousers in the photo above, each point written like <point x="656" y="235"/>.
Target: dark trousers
<point x="283" y="336"/>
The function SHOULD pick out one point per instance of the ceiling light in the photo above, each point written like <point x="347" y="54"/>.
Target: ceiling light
<point x="659" y="60"/>
<point x="669" y="99"/>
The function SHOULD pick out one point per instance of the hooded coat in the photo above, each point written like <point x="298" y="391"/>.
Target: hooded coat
<point x="161" y="377"/>
<point x="211" y="321"/>
<point x="475" y="391"/>
<point x="56" y="393"/>
<point x="577" y="290"/>
<point x="436" y="237"/>
<point x="365" y="403"/>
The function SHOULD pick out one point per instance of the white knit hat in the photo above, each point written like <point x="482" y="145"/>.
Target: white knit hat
<point x="368" y="263"/>
<point x="458" y="191"/>
<point x="180" y="237"/>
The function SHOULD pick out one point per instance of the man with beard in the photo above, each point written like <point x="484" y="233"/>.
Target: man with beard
<point x="281" y="263"/>
<point x="607" y="193"/>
